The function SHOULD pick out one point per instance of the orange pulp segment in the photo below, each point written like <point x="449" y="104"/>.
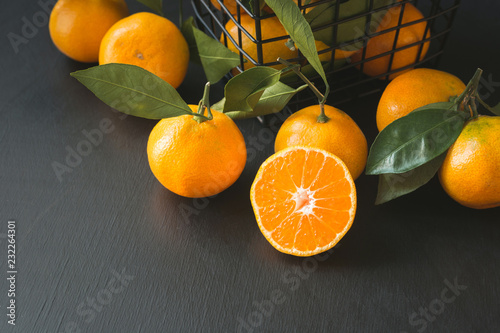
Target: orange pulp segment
<point x="304" y="200"/>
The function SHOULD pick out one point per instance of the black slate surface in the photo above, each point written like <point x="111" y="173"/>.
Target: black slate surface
<point x="107" y="249"/>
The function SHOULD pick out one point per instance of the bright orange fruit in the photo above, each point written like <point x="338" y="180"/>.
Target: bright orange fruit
<point x="304" y="200"/>
<point x="149" y="41"/>
<point x="340" y="135"/>
<point x="194" y="159"/>
<point x="415" y="89"/>
<point x="77" y="27"/>
<point x="469" y="173"/>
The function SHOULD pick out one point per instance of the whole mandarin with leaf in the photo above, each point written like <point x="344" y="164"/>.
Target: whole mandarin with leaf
<point x="384" y="42"/>
<point x="469" y="173"/>
<point x="77" y="27"/>
<point x="270" y="28"/>
<point x="415" y="89"/>
<point x="149" y="41"/>
<point x="196" y="159"/>
<point x="339" y="135"/>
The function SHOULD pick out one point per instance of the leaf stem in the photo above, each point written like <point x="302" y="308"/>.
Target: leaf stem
<point x="297" y="71"/>
<point x="322" y="118"/>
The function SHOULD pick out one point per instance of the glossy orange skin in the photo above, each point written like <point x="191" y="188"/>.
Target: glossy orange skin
<point x="77" y="27"/>
<point x="340" y="136"/>
<point x="415" y="89"/>
<point x="469" y="173"/>
<point x="384" y="43"/>
<point x="196" y="159"/>
<point x="148" y="41"/>
<point x="270" y="28"/>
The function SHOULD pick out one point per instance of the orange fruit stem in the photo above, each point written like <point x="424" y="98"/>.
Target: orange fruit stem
<point x="466" y="100"/>
<point x="204" y="104"/>
<point x="322" y="118"/>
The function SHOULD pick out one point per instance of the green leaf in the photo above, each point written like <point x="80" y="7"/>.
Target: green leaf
<point x="187" y="30"/>
<point x="219" y="106"/>
<point x="155" y="5"/>
<point x="248" y="4"/>
<point x="391" y="185"/>
<point x="244" y="90"/>
<point x="216" y="59"/>
<point x="438" y="105"/>
<point x="273" y="100"/>
<point x="299" y="30"/>
<point x="351" y="30"/>
<point x="413" y="140"/>
<point x="133" y="90"/>
<point x="495" y="109"/>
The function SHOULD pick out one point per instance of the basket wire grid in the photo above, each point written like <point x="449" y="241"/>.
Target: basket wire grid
<point x="347" y="82"/>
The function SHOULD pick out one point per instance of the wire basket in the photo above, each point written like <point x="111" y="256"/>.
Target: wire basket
<point x="348" y="78"/>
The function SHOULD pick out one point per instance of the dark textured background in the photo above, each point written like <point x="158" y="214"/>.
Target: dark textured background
<point x="213" y="271"/>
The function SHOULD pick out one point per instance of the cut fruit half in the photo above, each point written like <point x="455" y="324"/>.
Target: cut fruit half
<point x="304" y="200"/>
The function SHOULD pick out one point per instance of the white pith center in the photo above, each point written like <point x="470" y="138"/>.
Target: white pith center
<point x="304" y="201"/>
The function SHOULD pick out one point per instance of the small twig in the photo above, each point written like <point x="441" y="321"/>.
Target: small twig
<point x="297" y="71"/>
<point x="322" y="118"/>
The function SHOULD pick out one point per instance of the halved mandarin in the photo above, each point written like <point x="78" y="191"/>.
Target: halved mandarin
<point x="304" y="200"/>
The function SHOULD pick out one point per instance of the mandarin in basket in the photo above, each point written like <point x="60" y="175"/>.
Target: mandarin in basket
<point x="384" y="42"/>
<point x="270" y="28"/>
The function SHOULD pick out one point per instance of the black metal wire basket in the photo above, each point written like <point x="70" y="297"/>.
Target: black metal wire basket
<point x="350" y="78"/>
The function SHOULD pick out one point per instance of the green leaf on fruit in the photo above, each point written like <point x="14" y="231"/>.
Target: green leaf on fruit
<point x="243" y="92"/>
<point x="300" y="31"/>
<point x="392" y="185"/>
<point x="495" y="109"/>
<point x="273" y="100"/>
<point x="414" y="140"/>
<point x="438" y="105"/>
<point x="322" y="16"/>
<point x="216" y="59"/>
<point x="155" y="5"/>
<point x="133" y="90"/>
